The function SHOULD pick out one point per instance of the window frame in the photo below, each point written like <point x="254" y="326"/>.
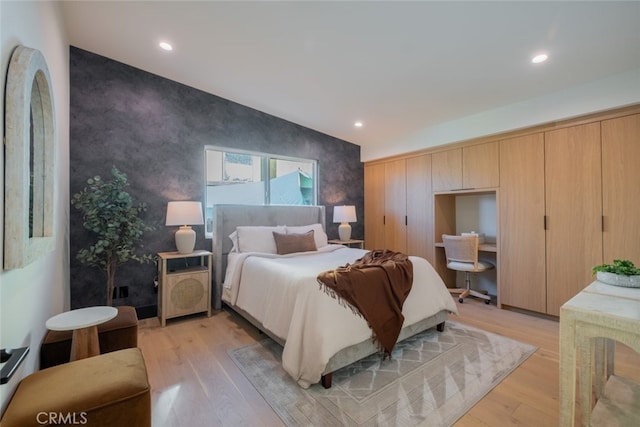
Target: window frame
<point x="265" y="159"/>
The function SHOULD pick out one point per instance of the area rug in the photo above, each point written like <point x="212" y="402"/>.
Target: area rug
<point x="432" y="379"/>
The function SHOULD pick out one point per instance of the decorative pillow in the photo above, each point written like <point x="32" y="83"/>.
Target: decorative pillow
<point x="290" y="243"/>
<point x="258" y="238"/>
<point x="319" y="235"/>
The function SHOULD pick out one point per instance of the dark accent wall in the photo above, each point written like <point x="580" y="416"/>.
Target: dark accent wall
<point x="154" y="130"/>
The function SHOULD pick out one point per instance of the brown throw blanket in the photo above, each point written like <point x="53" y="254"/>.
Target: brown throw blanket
<point x="375" y="287"/>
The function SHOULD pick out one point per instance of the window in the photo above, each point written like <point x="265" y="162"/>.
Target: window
<point x="250" y="178"/>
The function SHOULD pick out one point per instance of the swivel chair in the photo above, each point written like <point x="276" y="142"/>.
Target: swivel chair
<point x="462" y="255"/>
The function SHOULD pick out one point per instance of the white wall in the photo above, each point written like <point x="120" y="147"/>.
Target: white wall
<point x="30" y="295"/>
<point x="611" y="92"/>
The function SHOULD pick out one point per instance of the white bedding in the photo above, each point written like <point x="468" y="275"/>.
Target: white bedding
<point x="281" y="292"/>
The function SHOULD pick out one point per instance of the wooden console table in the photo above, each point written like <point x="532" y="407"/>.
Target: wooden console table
<point x="590" y="323"/>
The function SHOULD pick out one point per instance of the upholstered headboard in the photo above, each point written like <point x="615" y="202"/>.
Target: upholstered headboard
<point x="227" y="217"/>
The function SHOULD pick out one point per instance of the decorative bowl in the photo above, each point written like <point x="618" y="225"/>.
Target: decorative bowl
<point x="618" y="279"/>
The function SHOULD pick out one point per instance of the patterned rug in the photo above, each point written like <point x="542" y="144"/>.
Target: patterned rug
<point x="432" y="379"/>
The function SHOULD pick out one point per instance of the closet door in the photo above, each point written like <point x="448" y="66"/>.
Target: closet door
<point x="573" y="181"/>
<point x="419" y="207"/>
<point x="621" y="188"/>
<point x="521" y="215"/>
<point x="395" y="206"/>
<point x="374" y="206"/>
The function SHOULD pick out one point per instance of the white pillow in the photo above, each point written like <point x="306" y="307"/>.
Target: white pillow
<point x="232" y="260"/>
<point x="318" y="233"/>
<point x="258" y="238"/>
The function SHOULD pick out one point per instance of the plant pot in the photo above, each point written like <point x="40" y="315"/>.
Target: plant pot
<point x="618" y="279"/>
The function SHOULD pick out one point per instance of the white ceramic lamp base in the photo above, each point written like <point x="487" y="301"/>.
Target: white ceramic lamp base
<point x="185" y="239"/>
<point x="344" y="232"/>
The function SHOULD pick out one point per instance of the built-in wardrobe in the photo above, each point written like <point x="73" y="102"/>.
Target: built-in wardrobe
<point x="397" y="205"/>
<point x="569" y="198"/>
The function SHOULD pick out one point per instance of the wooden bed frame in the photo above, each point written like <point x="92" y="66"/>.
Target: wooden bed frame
<point x="225" y="220"/>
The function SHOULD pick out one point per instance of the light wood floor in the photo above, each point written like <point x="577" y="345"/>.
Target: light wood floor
<point x="195" y="383"/>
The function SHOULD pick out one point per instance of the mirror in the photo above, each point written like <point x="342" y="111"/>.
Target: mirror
<point x="29" y="160"/>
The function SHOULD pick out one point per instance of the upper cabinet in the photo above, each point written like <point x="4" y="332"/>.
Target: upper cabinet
<point x="446" y="170"/>
<point x="467" y="168"/>
<point x="480" y="166"/>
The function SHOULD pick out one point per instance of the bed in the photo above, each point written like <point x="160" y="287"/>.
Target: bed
<point x="280" y="296"/>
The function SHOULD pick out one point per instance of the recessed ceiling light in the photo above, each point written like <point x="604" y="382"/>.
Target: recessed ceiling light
<point x="358" y="124"/>
<point x="165" y="46"/>
<point x="539" y="58"/>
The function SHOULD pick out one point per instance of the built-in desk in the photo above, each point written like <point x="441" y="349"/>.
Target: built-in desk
<point x="589" y="324"/>
<point x="485" y="247"/>
<point x="462" y="211"/>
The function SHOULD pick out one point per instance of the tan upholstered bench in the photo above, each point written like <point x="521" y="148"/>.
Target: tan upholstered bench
<point x="117" y="334"/>
<point x="107" y="390"/>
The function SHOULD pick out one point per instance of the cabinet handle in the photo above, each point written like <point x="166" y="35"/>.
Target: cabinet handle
<point x="384" y="219"/>
<point x="603" y="223"/>
<point x="545" y="222"/>
<point x="406" y="221"/>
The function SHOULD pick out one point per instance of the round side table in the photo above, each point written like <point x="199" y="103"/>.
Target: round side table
<point x="84" y="324"/>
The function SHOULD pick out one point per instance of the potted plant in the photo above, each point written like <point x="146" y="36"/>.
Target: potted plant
<point x="620" y="273"/>
<point x="111" y="214"/>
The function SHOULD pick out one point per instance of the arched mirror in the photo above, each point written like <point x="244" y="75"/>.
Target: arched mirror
<point x="29" y="160"/>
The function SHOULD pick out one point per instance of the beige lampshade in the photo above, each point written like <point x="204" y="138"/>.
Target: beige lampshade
<point x="184" y="213"/>
<point x="344" y="214"/>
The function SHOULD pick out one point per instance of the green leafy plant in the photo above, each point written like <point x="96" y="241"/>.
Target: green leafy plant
<point x="111" y="214"/>
<point x="622" y="267"/>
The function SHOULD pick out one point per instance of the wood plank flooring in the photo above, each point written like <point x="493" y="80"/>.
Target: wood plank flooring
<point x="195" y="383"/>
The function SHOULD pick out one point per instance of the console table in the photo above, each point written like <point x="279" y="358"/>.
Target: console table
<point x="590" y="323"/>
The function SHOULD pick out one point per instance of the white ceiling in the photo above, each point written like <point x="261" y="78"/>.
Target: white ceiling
<point x="403" y="68"/>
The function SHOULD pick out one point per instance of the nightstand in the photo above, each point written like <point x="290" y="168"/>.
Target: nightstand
<point x="350" y="243"/>
<point x="184" y="284"/>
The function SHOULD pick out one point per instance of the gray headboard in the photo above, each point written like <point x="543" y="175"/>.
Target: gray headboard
<point x="227" y="217"/>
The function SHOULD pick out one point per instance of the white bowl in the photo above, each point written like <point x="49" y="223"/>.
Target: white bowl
<point x="618" y="279"/>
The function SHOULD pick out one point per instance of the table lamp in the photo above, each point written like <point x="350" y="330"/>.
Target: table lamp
<point x="344" y="215"/>
<point x="184" y="214"/>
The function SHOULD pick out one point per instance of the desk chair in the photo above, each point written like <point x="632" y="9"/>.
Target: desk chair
<point x="462" y="255"/>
